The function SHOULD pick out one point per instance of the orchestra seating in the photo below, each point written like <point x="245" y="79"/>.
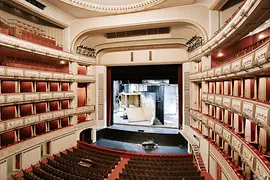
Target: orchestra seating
<point x="66" y="165"/>
<point x="163" y="167"/>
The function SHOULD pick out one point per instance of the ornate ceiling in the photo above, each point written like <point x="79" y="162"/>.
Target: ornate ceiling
<point x="114" y="6"/>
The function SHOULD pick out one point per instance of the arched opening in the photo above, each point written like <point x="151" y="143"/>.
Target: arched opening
<point x="85" y="136"/>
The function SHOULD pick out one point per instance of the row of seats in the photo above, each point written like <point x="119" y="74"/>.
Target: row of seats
<point x="160" y="168"/>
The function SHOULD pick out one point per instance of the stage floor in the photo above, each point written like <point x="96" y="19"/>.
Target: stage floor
<point x="147" y="129"/>
<point x="131" y="147"/>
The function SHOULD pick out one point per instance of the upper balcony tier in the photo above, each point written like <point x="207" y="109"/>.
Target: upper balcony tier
<point x="255" y="62"/>
<point x="18" y="73"/>
<point x="253" y="158"/>
<point x="25" y="46"/>
<point x="250" y="15"/>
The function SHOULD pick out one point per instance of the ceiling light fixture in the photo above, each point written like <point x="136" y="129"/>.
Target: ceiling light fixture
<point x="62" y="62"/>
<point x="220" y="54"/>
<point x="261" y="36"/>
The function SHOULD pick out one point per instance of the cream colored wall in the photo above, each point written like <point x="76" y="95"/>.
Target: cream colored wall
<point x="56" y="33"/>
<point x="141" y="57"/>
<point x="31" y="156"/>
<point x="226" y="14"/>
<point x="3" y="170"/>
<point x="213" y="167"/>
<point x="51" y="12"/>
<point x="61" y="143"/>
<point x="193" y="13"/>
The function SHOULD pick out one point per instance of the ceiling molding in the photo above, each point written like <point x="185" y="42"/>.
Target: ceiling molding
<point x="109" y="6"/>
<point x="218" y="4"/>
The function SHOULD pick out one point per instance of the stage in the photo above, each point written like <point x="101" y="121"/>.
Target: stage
<point x="128" y="138"/>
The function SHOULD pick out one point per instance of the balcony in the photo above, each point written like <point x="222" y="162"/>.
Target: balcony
<point x="15" y="43"/>
<point x="12" y="98"/>
<point x="35" y="141"/>
<point x="25" y="121"/>
<point x="85" y="109"/>
<point x="251" y="156"/>
<point x="248" y="65"/>
<point x="254" y="110"/>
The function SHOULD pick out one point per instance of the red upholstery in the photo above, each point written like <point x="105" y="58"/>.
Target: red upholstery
<point x="81" y="118"/>
<point x="54" y="86"/>
<point x="82" y="70"/>
<point x="64" y="104"/>
<point x="26" y="86"/>
<point x="81" y="95"/>
<point x="54" y="106"/>
<point x="40" y="128"/>
<point x="41" y="87"/>
<point x="65" y="86"/>
<point x="41" y="107"/>
<point x="7" y="138"/>
<point x="64" y="122"/>
<point x="53" y="125"/>
<point x="25" y="133"/>
<point x="26" y="110"/>
<point x="8" y="87"/>
<point x="8" y="112"/>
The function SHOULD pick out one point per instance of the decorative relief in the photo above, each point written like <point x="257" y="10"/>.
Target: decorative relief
<point x="2" y="71"/>
<point x="45" y="95"/>
<point x="84" y="109"/>
<point x="260" y="54"/>
<point x="211" y="98"/>
<point x="218" y="129"/>
<point x="247" y="61"/>
<point x="227" y="135"/>
<point x="31" y="73"/>
<point x="237" y="105"/>
<point x="14" y="98"/>
<point x="85" y="78"/>
<point x="31" y="96"/>
<point x="236" y="65"/>
<point x="262" y="115"/>
<point x="204" y="74"/>
<point x="58" y="95"/>
<point x="204" y="97"/>
<point x="204" y="120"/>
<point x="248" y="156"/>
<point x="46" y="116"/>
<point x="2" y="126"/>
<point x="211" y="124"/>
<point x="14" y="72"/>
<point x="261" y="172"/>
<point x="218" y="100"/>
<point x="69" y="76"/>
<point x="69" y="94"/>
<point x="248" y="109"/>
<point x="226" y="69"/>
<point x="236" y="144"/>
<point x="69" y="112"/>
<point x="2" y="98"/>
<point x="58" y="76"/>
<point x="226" y="102"/>
<point x="45" y="75"/>
<point x="31" y="119"/>
<point x="58" y="113"/>
<point x="14" y="123"/>
<point x="218" y="71"/>
<point x="211" y="73"/>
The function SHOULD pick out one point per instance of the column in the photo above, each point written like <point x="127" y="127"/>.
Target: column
<point x="94" y="134"/>
<point x="73" y="87"/>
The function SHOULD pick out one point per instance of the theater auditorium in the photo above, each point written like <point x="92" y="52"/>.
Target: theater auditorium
<point x="134" y="90"/>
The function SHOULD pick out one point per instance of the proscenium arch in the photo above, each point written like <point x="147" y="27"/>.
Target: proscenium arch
<point x="81" y="34"/>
